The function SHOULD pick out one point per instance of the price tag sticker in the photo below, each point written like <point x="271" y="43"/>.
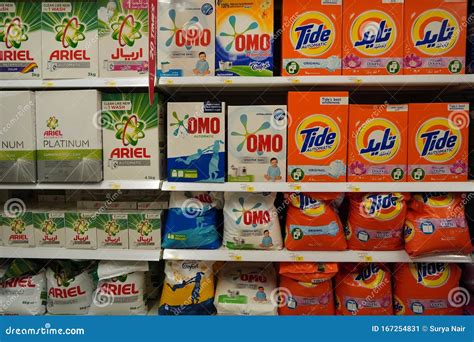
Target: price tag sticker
<point x="235" y="257"/>
<point x="299" y="258"/>
<point x="169" y="82"/>
<point x="365" y="257"/>
<point x="115" y="186"/>
<point x="48" y="84"/>
<point x="295" y="80"/>
<point x="295" y="187"/>
<point x="353" y="188"/>
<point x="111" y="84"/>
<point x="228" y="81"/>
<point x="248" y="188"/>
<point x="357" y="80"/>
<point x="172" y="187"/>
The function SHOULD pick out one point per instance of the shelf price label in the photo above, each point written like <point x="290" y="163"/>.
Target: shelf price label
<point x="111" y="83"/>
<point x="295" y="187"/>
<point x="365" y="257"/>
<point x="48" y="84"/>
<point x="296" y="257"/>
<point x="235" y="257"/>
<point x="247" y="188"/>
<point x="228" y="81"/>
<point x="115" y="186"/>
<point x="353" y="188"/>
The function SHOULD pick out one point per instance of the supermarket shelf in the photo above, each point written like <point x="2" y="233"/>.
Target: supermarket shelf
<point x="106" y="185"/>
<point x="321" y="187"/>
<point x="290" y="256"/>
<point x="89" y="83"/>
<point x="82" y="254"/>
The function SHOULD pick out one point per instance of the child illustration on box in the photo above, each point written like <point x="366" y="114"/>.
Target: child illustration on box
<point x="261" y="296"/>
<point x="202" y="66"/>
<point x="273" y="172"/>
<point x="267" y="241"/>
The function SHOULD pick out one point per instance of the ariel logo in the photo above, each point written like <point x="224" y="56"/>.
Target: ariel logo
<point x="112" y="228"/>
<point x="17" y="226"/>
<point x="48" y="227"/>
<point x="180" y="123"/>
<point x="144" y="228"/>
<point x="13" y="32"/>
<point x="81" y="226"/>
<point x="52" y="123"/>
<point x="126" y="30"/>
<point x="175" y="29"/>
<point x="246" y="134"/>
<point x="235" y="34"/>
<point x="130" y="130"/>
<point x="70" y="32"/>
<point x="61" y="279"/>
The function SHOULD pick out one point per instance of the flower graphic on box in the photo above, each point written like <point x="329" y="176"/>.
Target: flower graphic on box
<point x="187" y="27"/>
<point x="112" y="228"/>
<point x="235" y="33"/>
<point x="126" y="30"/>
<point x="81" y="226"/>
<point x="52" y="123"/>
<point x="412" y="61"/>
<point x="17" y="226"/>
<point x="70" y="32"/>
<point x="357" y="168"/>
<point x="352" y="61"/>
<point x="13" y="32"/>
<point x="244" y="210"/>
<point x="48" y="227"/>
<point x="130" y="130"/>
<point x="144" y="228"/>
<point x="458" y="168"/>
<point x="246" y="134"/>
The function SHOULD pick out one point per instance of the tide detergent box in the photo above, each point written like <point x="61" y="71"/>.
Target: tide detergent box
<point x="373" y="37"/>
<point x="20" y="40"/>
<point x="377" y="143"/>
<point x="257" y="143"/>
<point x="123" y="38"/>
<point x="196" y="142"/>
<point x="186" y="38"/>
<point x="244" y="38"/>
<point x="70" y="46"/>
<point x="438" y="142"/>
<point x="131" y="136"/>
<point x="312" y="43"/>
<point x="435" y="36"/>
<point x="317" y="136"/>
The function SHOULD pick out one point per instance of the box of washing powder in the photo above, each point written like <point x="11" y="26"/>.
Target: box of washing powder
<point x="112" y="230"/>
<point x="49" y="228"/>
<point x="186" y="38"/>
<point x="81" y="229"/>
<point x="20" y="41"/>
<point x="18" y="228"/>
<point x="196" y="142"/>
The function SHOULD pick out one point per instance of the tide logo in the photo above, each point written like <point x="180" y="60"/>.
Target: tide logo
<point x="438" y="140"/>
<point x="312" y="34"/>
<point x="408" y="231"/>
<point x="378" y="140"/>
<point x="383" y="207"/>
<point x="373" y="33"/>
<point x="435" y="199"/>
<point x="370" y="276"/>
<point x="435" y="32"/>
<point x="310" y="206"/>
<point x="398" y="306"/>
<point x="318" y="136"/>
<point x="430" y="274"/>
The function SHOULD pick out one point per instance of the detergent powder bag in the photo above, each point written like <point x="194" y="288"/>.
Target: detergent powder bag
<point x="247" y="289"/>
<point x="306" y="288"/>
<point x="376" y="221"/>
<point x="364" y="289"/>
<point x="120" y="289"/>
<point x="251" y="221"/>
<point x="192" y="220"/>
<point x="436" y="223"/>
<point x="312" y="222"/>
<point x="188" y="289"/>
<point x="425" y="289"/>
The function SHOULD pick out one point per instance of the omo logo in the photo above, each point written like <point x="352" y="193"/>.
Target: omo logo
<point x="13" y="32"/>
<point x="243" y="37"/>
<point x="378" y="140"/>
<point x="318" y="136"/>
<point x="438" y="140"/>
<point x="251" y="215"/>
<point x="130" y="130"/>
<point x="190" y="34"/>
<point x="312" y="34"/>
<point x="126" y="29"/>
<point x="435" y="32"/>
<point x="308" y="205"/>
<point x="370" y="276"/>
<point x="430" y="274"/>
<point x="70" y="32"/>
<point x="383" y="206"/>
<point x="373" y="33"/>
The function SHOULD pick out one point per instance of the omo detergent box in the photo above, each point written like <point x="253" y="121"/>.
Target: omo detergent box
<point x="123" y="38"/>
<point x="312" y="42"/>
<point x="435" y="36"/>
<point x="196" y="142"/>
<point x="144" y="229"/>
<point x="378" y="144"/>
<point x="317" y="136"/>
<point x="20" y="39"/>
<point x="69" y="136"/>
<point x="373" y="37"/>
<point x="18" y="228"/>
<point x="186" y="38"/>
<point x="112" y="230"/>
<point x="81" y="229"/>
<point x="257" y="143"/>
<point x="70" y="46"/>
<point x="438" y="135"/>
<point x="49" y="228"/>
<point x="244" y="38"/>
<point x="17" y="137"/>
<point x="130" y="130"/>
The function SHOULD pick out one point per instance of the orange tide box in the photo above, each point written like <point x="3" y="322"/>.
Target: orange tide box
<point x="377" y="143"/>
<point x="438" y="141"/>
<point x="373" y="37"/>
<point x="435" y="36"/>
<point x="312" y="41"/>
<point x="317" y="136"/>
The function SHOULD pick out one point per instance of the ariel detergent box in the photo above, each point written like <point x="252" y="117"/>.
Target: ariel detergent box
<point x="373" y="37"/>
<point x="112" y="230"/>
<point x="378" y="144"/>
<point x="70" y="46"/>
<point x="81" y="229"/>
<point x="257" y="143"/>
<point x="130" y="130"/>
<point x="17" y="227"/>
<point x="20" y="39"/>
<point x="312" y="41"/>
<point x="435" y="36"/>
<point x="186" y="38"/>
<point x="144" y="229"/>
<point x="196" y="142"/>
<point x="123" y="38"/>
<point x="49" y="228"/>
<point x="317" y="136"/>
<point x="438" y="142"/>
<point x="244" y="38"/>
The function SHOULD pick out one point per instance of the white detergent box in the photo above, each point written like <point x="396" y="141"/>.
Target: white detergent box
<point x="186" y="38"/>
<point x="256" y="141"/>
<point x="49" y="228"/>
<point x="144" y="229"/>
<point x="17" y="137"/>
<point x="196" y="142"/>
<point x="112" y="230"/>
<point x="69" y="136"/>
<point x="70" y="42"/>
<point x="20" y="40"/>
<point x="131" y="137"/>
<point x="123" y="38"/>
<point x="81" y="229"/>
<point x="18" y="229"/>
